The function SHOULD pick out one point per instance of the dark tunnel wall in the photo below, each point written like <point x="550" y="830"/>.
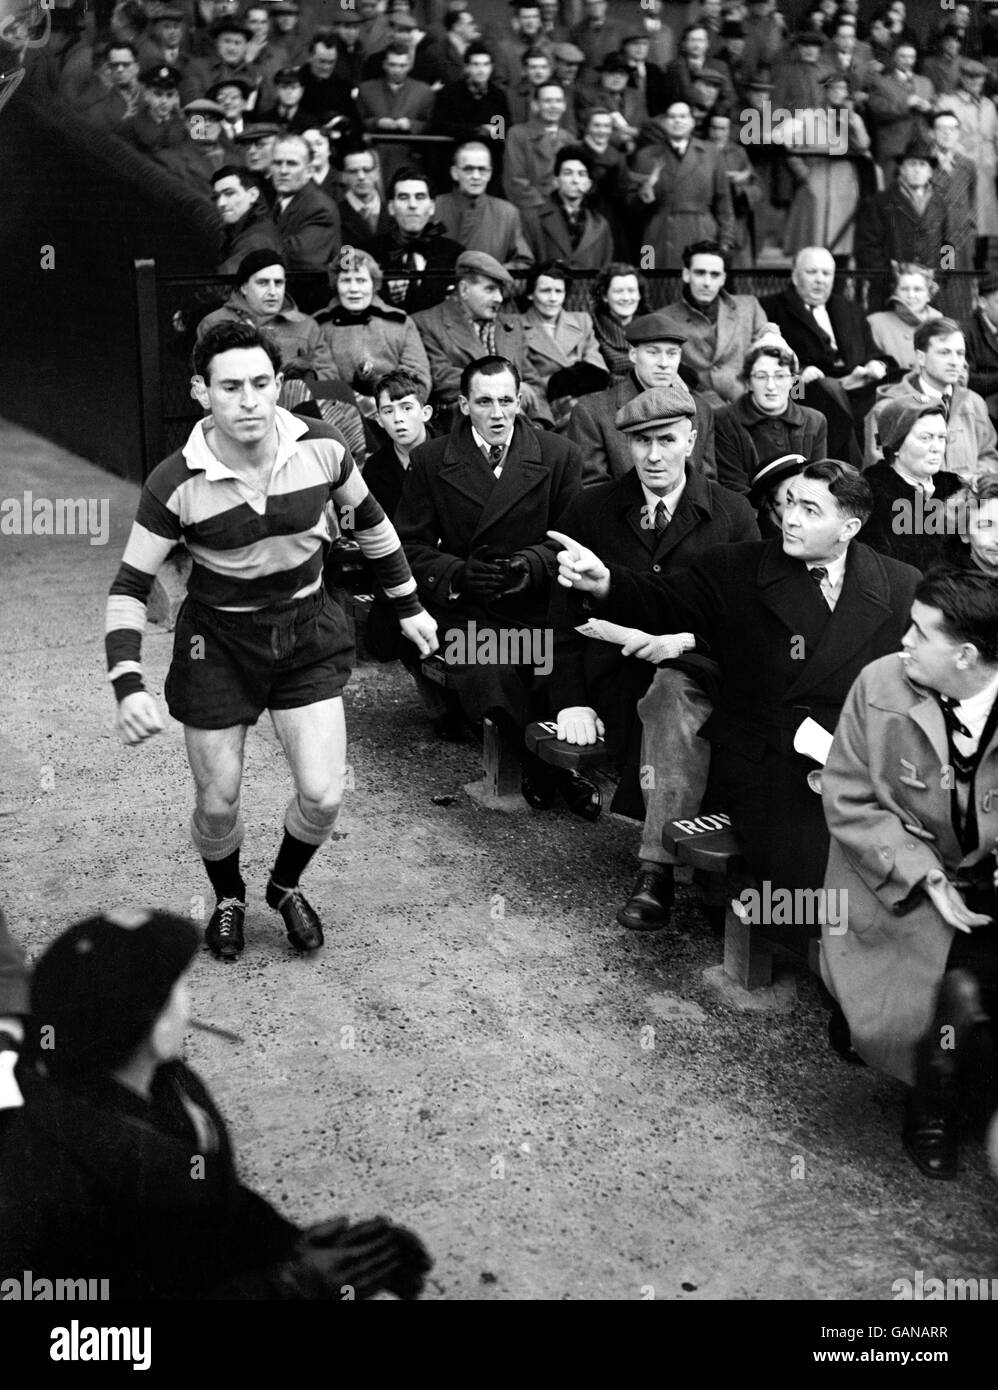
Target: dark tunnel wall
<point x="68" y="356"/>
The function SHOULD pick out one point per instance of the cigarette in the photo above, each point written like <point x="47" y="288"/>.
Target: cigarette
<point x="218" y="1032"/>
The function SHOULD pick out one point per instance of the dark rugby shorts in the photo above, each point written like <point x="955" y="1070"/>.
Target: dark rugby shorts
<point x="228" y="668"/>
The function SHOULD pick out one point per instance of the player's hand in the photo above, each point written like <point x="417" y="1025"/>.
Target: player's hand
<point x="665" y="647"/>
<point x="579" y="568"/>
<point x="580" y="724"/>
<point x="950" y="906"/>
<point x="422" y="630"/>
<point x="138" y="717"/>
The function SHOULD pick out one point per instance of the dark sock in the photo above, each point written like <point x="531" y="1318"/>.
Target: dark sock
<point x="225" y="877"/>
<point x="292" y="859"/>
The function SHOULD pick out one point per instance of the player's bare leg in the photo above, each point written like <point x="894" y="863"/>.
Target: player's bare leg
<point x="314" y="740"/>
<point x="216" y="762"/>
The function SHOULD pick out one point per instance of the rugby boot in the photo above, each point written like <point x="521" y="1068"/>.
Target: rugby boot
<point x="301" y="921"/>
<point x="224" y="933"/>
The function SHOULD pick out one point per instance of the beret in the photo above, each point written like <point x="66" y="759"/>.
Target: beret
<point x="654" y="328"/>
<point x="897" y="418"/>
<point x="101" y="985"/>
<point x="257" y="260"/>
<point x="479" y="263"/>
<point x="656" y="407"/>
<point x="769" y="474"/>
<point x="161" y="76"/>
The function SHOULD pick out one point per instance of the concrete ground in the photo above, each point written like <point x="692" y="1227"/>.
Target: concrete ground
<point x="563" y="1110"/>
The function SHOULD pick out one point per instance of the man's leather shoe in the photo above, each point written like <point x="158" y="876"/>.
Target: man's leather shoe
<point x="930" y="1140"/>
<point x="224" y="933"/>
<point x="650" y="905"/>
<point x="582" y="797"/>
<point x="300" y="918"/>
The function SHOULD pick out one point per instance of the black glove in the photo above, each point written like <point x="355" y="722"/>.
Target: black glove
<point x="335" y="1256"/>
<point x="519" y="577"/>
<point x="480" y="578"/>
<point x="414" y="1264"/>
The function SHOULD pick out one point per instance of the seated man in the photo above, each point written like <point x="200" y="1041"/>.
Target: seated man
<point x="96" y="1168"/>
<point x="940" y="363"/>
<point x="790" y="623"/>
<point x="531" y="145"/>
<point x="565" y="227"/>
<point x="260" y="297"/>
<point x="913" y="822"/>
<point x="476" y="220"/>
<point x="415" y="242"/>
<point x="655" y="351"/>
<point x="306" y="220"/>
<point x="719" y="327"/>
<point x="832" y="339"/>
<point x="475" y="508"/>
<point x="472" y="323"/>
<point x="157" y="124"/>
<point x="656" y="519"/>
<point x="246" y="222"/>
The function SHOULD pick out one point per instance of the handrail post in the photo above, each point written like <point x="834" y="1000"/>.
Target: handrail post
<point x="147" y="341"/>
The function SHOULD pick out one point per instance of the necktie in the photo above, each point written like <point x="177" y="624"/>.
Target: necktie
<point x="819" y="574"/>
<point x="661" y="517"/>
<point x="947" y="401"/>
<point x="963" y="762"/>
<point x="486" y="331"/>
<point x="495" y="454"/>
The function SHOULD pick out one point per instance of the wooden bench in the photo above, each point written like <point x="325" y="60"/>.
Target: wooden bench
<point x="542" y="738"/>
<point x="708" y="843"/>
<point x="499" y="789"/>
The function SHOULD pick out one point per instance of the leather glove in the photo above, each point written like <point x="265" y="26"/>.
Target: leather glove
<point x="478" y="577"/>
<point x="335" y="1256"/>
<point x="414" y="1265"/>
<point x="518" y="576"/>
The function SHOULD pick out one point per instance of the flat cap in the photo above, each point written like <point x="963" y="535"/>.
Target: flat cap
<point x="479" y="263"/>
<point x="161" y="78"/>
<point x="173" y="12"/>
<point x="283" y="77"/>
<point x="654" y="328"/>
<point x="656" y="407"/>
<point x="711" y="76"/>
<point x="970" y="67"/>
<point x="286" y="7"/>
<point x="400" y="19"/>
<point x="770" y="474"/>
<point x="231" y="24"/>
<point x="568" y="53"/>
<point x="201" y="106"/>
<point x="261" y="130"/>
<point x="897" y="418"/>
<point x="102" y="984"/>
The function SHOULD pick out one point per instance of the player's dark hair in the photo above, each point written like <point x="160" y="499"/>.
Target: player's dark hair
<point x="223" y="337"/>
<point x="968" y="603"/>
<point x="487" y="366"/>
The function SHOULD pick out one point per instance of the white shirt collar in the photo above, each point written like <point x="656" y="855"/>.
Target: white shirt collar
<point x="671" y="499"/>
<point x="836" y="571"/>
<point x="974" y="710"/>
<point x="200" y="456"/>
<point x="484" y="443"/>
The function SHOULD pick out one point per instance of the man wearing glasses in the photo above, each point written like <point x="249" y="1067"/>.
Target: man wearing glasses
<point x="122" y="98"/>
<point x="719" y="326"/>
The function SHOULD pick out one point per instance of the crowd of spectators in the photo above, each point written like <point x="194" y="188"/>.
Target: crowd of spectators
<point x="739" y="464"/>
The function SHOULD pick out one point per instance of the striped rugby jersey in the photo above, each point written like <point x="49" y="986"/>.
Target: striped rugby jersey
<point x="249" y="551"/>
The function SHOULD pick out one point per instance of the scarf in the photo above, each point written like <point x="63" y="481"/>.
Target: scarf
<point x="709" y="311"/>
<point x="908" y="316"/>
<point x="612" y="343"/>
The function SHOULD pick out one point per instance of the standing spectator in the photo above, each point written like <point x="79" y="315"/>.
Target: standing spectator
<point x="262" y="51"/>
<point x="324" y="92"/>
<point x="365" y="336"/>
<point x="681" y="76"/>
<point x="460" y="32"/>
<point x="940" y="364"/>
<point x="471" y="323"/>
<point x="719" y="327"/>
<point x="596" y="35"/>
<point x="943" y="68"/>
<point x="528" y="173"/>
<point x="404" y="29"/>
<point x="982" y="344"/>
<point x="526" y="25"/>
<point x="537" y="73"/>
<point x="473" y="107"/>
<point x="619" y="293"/>
<point x="979" y="142"/>
<point x="320" y="168"/>
<point x="568" y="64"/>
<point x="899" y="102"/>
<point x="732" y="55"/>
<point x="415" y="242"/>
<point x="246" y="222"/>
<point x="797" y="78"/>
<point x="307" y="221"/>
<point x="346" y="24"/>
<point x="231" y="94"/>
<point x="955" y="179"/>
<point x="911" y="484"/>
<point x="907" y="222"/>
<point x="684" y="184"/>
<point x="476" y="220"/>
<point x="609" y="174"/>
<point x="395" y="102"/>
<point x="286" y="15"/>
<point x="122" y="100"/>
<point x="746" y="191"/>
<point x="765" y="34"/>
<point x="363" y="211"/>
<point x="612" y="93"/>
<point x="260" y="298"/>
<point x="157" y="125"/>
<point x="561" y="344"/>
<point x="288" y="111"/>
<point x="766" y="418"/>
<point x="564" y="227"/>
<point x="165" y="43"/>
<point x="908" y="307"/>
<point x="375" y="32"/>
<point x="230" y="37"/>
